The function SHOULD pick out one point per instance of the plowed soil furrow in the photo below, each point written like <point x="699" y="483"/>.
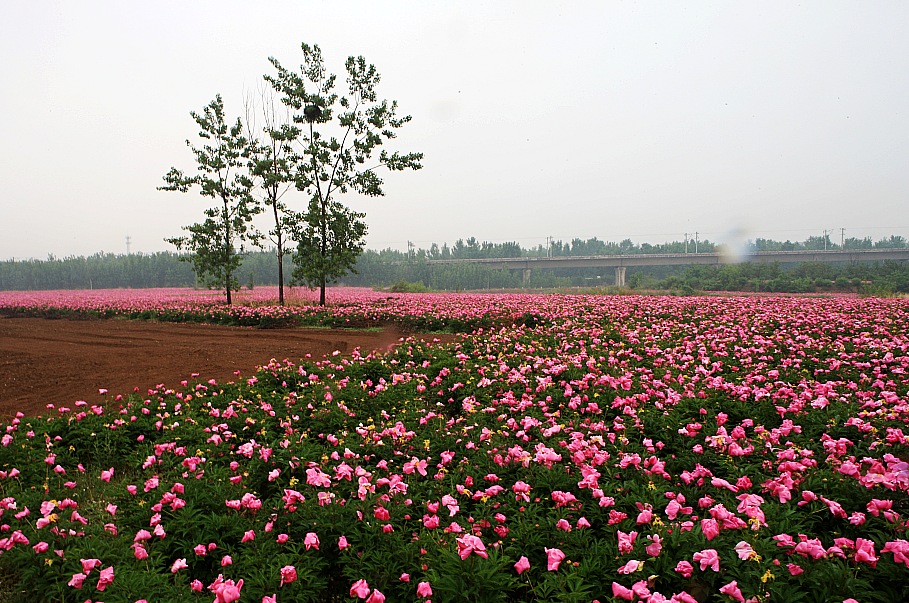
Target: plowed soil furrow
<point x="61" y="361"/>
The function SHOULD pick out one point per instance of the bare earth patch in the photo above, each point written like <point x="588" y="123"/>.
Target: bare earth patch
<point x="61" y="361"/>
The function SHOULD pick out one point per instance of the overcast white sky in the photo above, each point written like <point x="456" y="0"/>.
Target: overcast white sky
<point x="610" y="119"/>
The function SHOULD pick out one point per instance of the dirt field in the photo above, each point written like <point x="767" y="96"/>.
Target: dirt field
<point x="60" y="361"/>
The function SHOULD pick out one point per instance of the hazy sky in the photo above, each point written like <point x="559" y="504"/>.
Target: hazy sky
<point x="600" y="119"/>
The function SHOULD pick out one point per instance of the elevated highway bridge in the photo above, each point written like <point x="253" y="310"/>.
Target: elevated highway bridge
<point x="621" y="262"/>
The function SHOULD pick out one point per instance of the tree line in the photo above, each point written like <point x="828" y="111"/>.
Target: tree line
<point x="410" y="270"/>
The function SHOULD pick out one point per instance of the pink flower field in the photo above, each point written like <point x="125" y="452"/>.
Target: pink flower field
<point x="570" y="448"/>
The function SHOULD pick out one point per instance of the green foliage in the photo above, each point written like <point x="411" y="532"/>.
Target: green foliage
<point x="328" y="244"/>
<point x="474" y="415"/>
<point x="403" y="286"/>
<point x="216" y="245"/>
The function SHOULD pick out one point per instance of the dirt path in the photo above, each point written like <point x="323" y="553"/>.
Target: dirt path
<point x="60" y="361"/>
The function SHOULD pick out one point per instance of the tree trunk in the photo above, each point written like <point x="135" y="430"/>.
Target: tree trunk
<point x="324" y="247"/>
<point x="280" y="275"/>
<point x="280" y="254"/>
<point x="227" y="272"/>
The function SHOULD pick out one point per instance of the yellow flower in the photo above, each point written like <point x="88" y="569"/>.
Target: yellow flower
<point x="768" y="575"/>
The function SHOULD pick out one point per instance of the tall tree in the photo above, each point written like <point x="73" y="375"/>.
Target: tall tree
<point x="333" y="148"/>
<point x="216" y="245"/>
<point x="272" y="161"/>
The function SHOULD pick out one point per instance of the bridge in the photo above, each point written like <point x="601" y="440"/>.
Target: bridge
<point x="622" y="262"/>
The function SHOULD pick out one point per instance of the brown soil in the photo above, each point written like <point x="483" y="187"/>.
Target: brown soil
<point x="61" y="361"/>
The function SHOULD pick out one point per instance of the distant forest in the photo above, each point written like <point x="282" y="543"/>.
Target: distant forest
<point x="409" y="271"/>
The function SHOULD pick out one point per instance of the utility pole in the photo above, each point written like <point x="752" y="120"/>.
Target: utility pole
<point x="825" y="239"/>
<point x="696" y="241"/>
<point x="128" y="239"/>
<point x="686" y="242"/>
<point x="843" y="238"/>
<point x="549" y="246"/>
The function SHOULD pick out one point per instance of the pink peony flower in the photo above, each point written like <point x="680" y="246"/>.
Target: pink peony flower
<point x="864" y="552"/>
<point x="106" y="577"/>
<point x="684" y="597"/>
<point x="684" y="568"/>
<point x="631" y="567"/>
<point x="424" y="589"/>
<point x="626" y="542"/>
<point x="732" y="590"/>
<point x="522" y="565"/>
<point x="622" y="592"/>
<point x="468" y="544"/>
<point x="554" y="557"/>
<point x="744" y="550"/>
<point x="653" y="549"/>
<point x="900" y="550"/>
<point x="226" y="591"/>
<point x="311" y="541"/>
<point x="360" y="589"/>
<point x="710" y="527"/>
<point x="288" y="575"/>
<point x="708" y="558"/>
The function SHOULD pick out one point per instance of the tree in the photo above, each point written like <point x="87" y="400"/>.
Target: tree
<point x="222" y="175"/>
<point x="272" y="162"/>
<point x="334" y="146"/>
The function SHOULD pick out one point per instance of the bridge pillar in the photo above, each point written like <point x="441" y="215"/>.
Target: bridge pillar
<point x="620" y="276"/>
<point x="525" y="277"/>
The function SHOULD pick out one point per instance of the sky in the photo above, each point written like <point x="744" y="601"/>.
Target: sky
<point x="607" y="119"/>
